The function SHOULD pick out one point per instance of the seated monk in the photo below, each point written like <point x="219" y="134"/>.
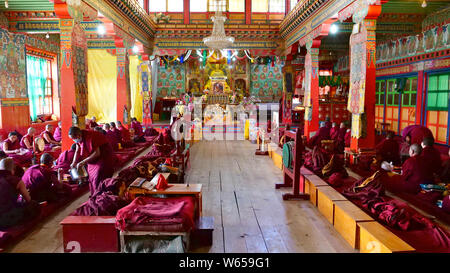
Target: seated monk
<point x="416" y="134"/>
<point x="334" y="131"/>
<point x="431" y="159"/>
<point x="445" y="173"/>
<point x="18" y="171"/>
<point x="65" y="159"/>
<point x="126" y="137"/>
<point x="27" y="140"/>
<point x="348" y="137"/>
<point x="388" y="149"/>
<point x="93" y="150"/>
<point x="322" y="134"/>
<point x="57" y="134"/>
<point x="50" y="143"/>
<point x="341" y="137"/>
<point x="412" y="173"/>
<point x="111" y="136"/>
<point x="116" y="132"/>
<point x="138" y="131"/>
<point x="92" y="123"/>
<point x="42" y="182"/>
<point x="11" y="146"/>
<point x="12" y="211"/>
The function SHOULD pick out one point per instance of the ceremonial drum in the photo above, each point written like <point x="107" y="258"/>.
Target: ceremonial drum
<point x="39" y="144"/>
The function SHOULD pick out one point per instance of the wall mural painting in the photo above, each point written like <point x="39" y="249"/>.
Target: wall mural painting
<point x="171" y="81"/>
<point x="12" y="65"/>
<point x="80" y="69"/>
<point x="266" y="81"/>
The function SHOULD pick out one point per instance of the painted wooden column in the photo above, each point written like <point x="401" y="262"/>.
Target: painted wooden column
<point x="361" y="101"/>
<point x="186" y="12"/>
<point x="311" y="97"/>
<point x="146" y="90"/>
<point x="248" y="12"/>
<point x="73" y="74"/>
<point x="123" y="83"/>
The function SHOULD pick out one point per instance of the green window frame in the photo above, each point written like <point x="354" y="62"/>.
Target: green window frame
<point x="409" y="94"/>
<point x="392" y="96"/>
<point x="380" y="92"/>
<point x="438" y="92"/>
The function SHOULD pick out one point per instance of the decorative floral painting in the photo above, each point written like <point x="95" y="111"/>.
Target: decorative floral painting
<point x="171" y="80"/>
<point x="266" y="81"/>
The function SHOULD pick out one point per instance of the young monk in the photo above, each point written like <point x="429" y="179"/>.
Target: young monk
<point x="42" y="182"/>
<point x="27" y="140"/>
<point x="111" y="136"/>
<point x="50" y="142"/>
<point x="11" y="146"/>
<point x="93" y="150"/>
<point x="138" y="131"/>
<point x="116" y="132"/>
<point x="18" y="171"/>
<point x="57" y="134"/>
<point x="65" y="159"/>
<point x="13" y="212"/>
<point x="126" y="137"/>
<point x="412" y="173"/>
<point x="389" y="149"/>
<point x="334" y="131"/>
<point x="348" y="137"/>
<point x="431" y="159"/>
<point x="416" y="134"/>
<point x="322" y="134"/>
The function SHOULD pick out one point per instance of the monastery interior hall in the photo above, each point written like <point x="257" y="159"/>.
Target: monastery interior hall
<point x="224" y="126"/>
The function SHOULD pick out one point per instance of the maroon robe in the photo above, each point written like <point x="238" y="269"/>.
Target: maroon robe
<point x="112" y="139"/>
<point x="432" y="162"/>
<point x="30" y="140"/>
<point x="48" y="146"/>
<point x="417" y="133"/>
<point x="138" y="131"/>
<point x="322" y="134"/>
<point x="126" y="137"/>
<point x="334" y="132"/>
<point x="412" y="176"/>
<point x="347" y="138"/>
<point x="42" y="183"/>
<point x="117" y="134"/>
<point x="64" y="161"/>
<point x="389" y="150"/>
<point x="57" y="134"/>
<point x="92" y="124"/>
<point x="21" y="160"/>
<point x="103" y="166"/>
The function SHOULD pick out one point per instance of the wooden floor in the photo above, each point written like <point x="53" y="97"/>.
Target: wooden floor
<point x="239" y="192"/>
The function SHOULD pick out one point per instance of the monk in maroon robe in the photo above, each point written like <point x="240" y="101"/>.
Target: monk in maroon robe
<point x="322" y="134"/>
<point x="42" y="182"/>
<point x="416" y="134"/>
<point x="348" y="138"/>
<point x="92" y="123"/>
<point x="13" y="211"/>
<point x="126" y="137"/>
<point x="93" y="150"/>
<point x="388" y="149"/>
<point x="445" y="173"/>
<point x="26" y="141"/>
<point x="334" y="131"/>
<point x="116" y="132"/>
<point x="50" y="142"/>
<point x="111" y="137"/>
<point x="138" y="131"/>
<point x="65" y="159"/>
<point x="431" y="159"/>
<point x="18" y="171"/>
<point x="57" y="134"/>
<point x="412" y="173"/>
<point x="11" y="146"/>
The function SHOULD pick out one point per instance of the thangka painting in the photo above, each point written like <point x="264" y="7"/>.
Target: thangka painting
<point x="171" y="80"/>
<point x="80" y="77"/>
<point x="266" y="81"/>
<point x="13" y="81"/>
<point x="357" y="74"/>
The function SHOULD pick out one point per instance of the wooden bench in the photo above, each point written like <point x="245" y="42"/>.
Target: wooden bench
<point x="346" y="219"/>
<point x="202" y="234"/>
<point x="312" y="182"/>
<point x="326" y="197"/>
<point x="90" y="234"/>
<point x="374" y="238"/>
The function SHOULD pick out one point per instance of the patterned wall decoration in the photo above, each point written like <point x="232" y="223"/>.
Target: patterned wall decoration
<point x="266" y="81"/>
<point x="144" y="75"/>
<point x="171" y="80"/>
<point x="80" y="69"/>
<point x="12" y="65"/>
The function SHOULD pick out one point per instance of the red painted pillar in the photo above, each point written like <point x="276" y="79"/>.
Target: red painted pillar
<point x="73" y="75"/>
<point x="248" y="12"/>
<point x="123" y="83"/>
<point x="362" y="80"/>
<point x="186" y="12"/>
<point x="311" y="98"/>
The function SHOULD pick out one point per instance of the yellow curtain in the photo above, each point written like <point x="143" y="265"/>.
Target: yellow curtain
<point x="136" y="96"/>
<point x="102" y="85"/>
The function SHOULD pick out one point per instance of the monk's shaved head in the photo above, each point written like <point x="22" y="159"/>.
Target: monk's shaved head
<point x="31" y="130"/>
<point x="74" y="131"/>
<point x="7" y="164"/>
<point x="119" y="123"/>
<point x="113" y="124"/>
<point x="106" y="126"/>
<point x="427" y="142"/>
<point x="415" y="149"/>
<point x="46" y="159"/>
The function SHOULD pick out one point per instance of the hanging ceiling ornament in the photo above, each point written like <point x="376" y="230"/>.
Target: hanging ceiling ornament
<point x="218" y="39"/>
